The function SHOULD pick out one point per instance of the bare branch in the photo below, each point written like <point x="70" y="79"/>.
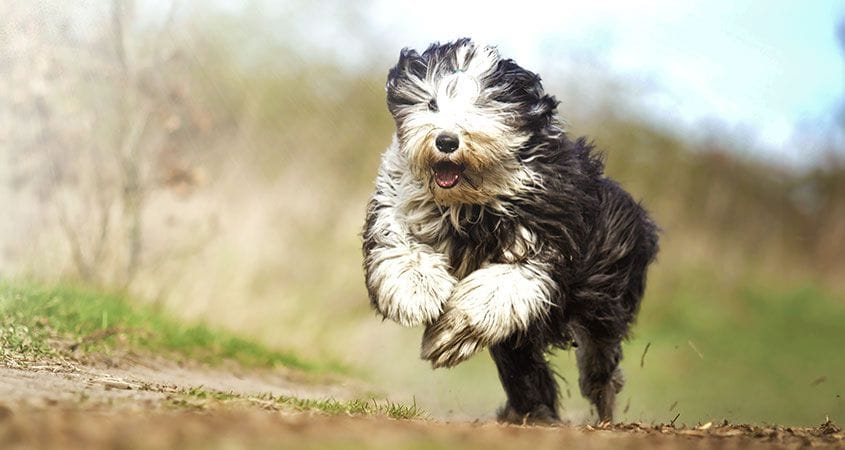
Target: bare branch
<point x="82" y="266"/>
<point x="104" y="205"/>
<point x="119" y="13"/>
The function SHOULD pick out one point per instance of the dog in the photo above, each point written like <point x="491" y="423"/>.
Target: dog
<point x="492" y="228"/>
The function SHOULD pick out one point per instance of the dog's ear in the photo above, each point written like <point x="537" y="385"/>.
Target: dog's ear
<point x="524" y="89"/>
<point x="540" y="114"/>
<point x="410" y="64"/>
<point x="405" y="82"/>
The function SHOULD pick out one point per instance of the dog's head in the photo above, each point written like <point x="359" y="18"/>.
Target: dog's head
<point x="462" y="114"/>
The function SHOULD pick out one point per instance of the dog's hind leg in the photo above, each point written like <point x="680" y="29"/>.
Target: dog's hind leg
<point x="528" y="382"/>
<point x="600" y="377"/>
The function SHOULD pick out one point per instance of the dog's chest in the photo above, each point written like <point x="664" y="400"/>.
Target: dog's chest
<point x="470" y="241"/>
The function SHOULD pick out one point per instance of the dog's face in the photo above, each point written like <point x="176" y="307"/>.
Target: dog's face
<point x="462" y="114"/>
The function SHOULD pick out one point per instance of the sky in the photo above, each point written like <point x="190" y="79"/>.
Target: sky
<point x="770" y="67"/>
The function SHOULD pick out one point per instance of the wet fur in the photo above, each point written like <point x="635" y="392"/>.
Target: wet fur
<point x="534" y="249"/>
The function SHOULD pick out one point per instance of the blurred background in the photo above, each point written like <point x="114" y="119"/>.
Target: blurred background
<point x="214" y="158"/>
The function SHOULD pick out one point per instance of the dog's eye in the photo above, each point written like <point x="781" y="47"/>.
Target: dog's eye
<point x="432" y="105"/>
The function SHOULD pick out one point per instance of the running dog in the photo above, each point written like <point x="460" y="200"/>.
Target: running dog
<point x="493" y="228"/>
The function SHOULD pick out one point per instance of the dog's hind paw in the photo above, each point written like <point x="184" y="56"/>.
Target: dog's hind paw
<point x="538" y="415"/>
<point x="450" y="340"/>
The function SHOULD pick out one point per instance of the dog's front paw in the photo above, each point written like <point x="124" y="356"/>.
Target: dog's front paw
<point x="450" y="340"/>
<point x="414" y="289"/>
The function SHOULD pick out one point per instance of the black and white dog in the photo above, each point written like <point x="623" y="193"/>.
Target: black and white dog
<point x="492" y="228"/>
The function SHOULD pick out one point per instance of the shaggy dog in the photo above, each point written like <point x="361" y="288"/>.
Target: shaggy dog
<point x="492" y="228"/>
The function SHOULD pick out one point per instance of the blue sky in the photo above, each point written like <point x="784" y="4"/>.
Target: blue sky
<point x="767" y="67"/>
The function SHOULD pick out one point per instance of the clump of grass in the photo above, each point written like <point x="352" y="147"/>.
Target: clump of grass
<point x="355" y="407"/>
<point x="20" y="339"/>
<point x="200" y="393"/>
<point x="199" y="397"/>
<point x="40" y="321"/>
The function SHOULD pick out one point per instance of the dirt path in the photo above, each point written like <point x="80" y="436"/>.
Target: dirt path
<point x="159" y="405"/>
<point x="147" y="381"/>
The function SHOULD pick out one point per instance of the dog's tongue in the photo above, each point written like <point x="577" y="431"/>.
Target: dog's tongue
<point x="447" y="174"/>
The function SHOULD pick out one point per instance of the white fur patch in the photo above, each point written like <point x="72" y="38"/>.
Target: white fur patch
<point x="412" y="283"/>
<point x="486" y="307"/>
<point x="526" y="244"/>
<point x="501" y="299"/>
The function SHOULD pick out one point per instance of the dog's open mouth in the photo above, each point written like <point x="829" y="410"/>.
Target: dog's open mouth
<point x="447" y="174"/>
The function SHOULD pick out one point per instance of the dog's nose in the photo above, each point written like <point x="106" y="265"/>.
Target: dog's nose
<point x="447" y="142"/>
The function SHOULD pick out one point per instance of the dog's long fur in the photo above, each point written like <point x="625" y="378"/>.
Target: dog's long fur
<point x="534" y="248"/>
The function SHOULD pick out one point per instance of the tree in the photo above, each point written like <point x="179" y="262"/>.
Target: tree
<point x="91" y="110"/>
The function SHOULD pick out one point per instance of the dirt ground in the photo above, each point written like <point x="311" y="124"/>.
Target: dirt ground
<point x="145" y="404"/>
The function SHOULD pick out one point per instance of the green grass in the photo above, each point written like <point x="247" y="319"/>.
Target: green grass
<point x="753" y="352"/>
<point x="355" y="407"/>
<point x="41" y="321"/>
<point x="198" y="397"/>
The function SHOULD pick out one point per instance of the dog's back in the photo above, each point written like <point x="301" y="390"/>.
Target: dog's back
<point x="607" y="287"/>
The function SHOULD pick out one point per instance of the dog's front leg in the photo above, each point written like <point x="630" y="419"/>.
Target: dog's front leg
<point x="486" y="307"/>
<point x="408" y="283"/>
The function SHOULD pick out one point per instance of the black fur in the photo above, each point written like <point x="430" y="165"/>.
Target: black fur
<point x="528" y="381"/>
<point x="598" y="240"/>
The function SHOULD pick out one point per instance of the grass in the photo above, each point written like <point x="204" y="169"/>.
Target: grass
<point x="200" y="398"/>
<point x="37" y="321"/>
<point x="753" y="352"/>
<point x="353" y="407"/>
